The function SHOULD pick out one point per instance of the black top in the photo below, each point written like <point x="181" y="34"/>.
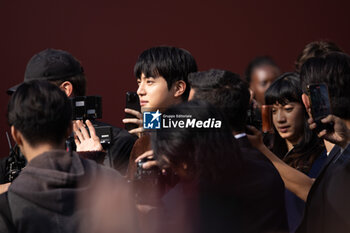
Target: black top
<point x="328" y="207"/>
<point x="261" y="192"/>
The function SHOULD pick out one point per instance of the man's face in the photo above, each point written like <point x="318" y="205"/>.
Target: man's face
<point x="154" y="93"/>
<point x="262" y="78"/>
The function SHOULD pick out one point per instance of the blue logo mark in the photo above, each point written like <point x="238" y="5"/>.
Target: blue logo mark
<point x="151" y="120"/>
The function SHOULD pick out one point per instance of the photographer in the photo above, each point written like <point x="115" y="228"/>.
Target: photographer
<point x="44" y="197"/>
<point x="65" y="71"/>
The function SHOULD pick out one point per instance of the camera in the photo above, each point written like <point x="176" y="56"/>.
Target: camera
<point x="87" y="107"/>
<point x="90" y="108"/>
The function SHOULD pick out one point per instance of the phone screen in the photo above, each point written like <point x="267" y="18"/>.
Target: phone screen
<point x="132" y="102"/>
<point x="320" y="104"/>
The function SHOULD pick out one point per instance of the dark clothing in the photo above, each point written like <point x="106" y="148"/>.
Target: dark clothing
<point x="294" y="205"/>
<point x="119" y="150"/>
<point x="261" y="193"/>
<point x="327" y="206"/>
<point x="43" y="198"/>
<point x="190" y="208"/>
<point x="3" y="172"/>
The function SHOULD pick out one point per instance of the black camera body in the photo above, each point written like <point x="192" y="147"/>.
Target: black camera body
<point x="151" y="174"/>
<point x="14" y="164"/>
<point x="87" y="107"/>
<point x="90" y="108"/>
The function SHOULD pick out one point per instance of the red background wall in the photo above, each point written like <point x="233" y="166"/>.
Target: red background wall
<point x="108" y="35"/>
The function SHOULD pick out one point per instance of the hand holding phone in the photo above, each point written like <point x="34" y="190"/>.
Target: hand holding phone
<point x="133" y="117"/>
<point x="320" y="105"/>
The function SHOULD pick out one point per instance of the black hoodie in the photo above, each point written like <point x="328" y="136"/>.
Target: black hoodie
<point x="43" y="198"/>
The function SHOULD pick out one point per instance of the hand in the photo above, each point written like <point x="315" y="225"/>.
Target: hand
<point x="138" y="121"/>
<point x="256" y="138"/>
<point x="83" y="140"/>
<point x="4" y="187"/>
<point x="341" y="133"/>
<point x="148" y="164"/>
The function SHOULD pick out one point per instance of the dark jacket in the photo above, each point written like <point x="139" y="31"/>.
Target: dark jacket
<point x="43" y="198"/>
<point x="261" y="193"/>
<point x="327" y="206"/>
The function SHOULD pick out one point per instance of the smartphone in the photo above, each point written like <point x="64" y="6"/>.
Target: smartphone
<point x="266" y="118"/>
<point x="320" y="105"/>
<point x="132" y="102"/>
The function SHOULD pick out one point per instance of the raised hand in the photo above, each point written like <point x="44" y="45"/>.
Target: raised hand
<point x="83" y="140"/>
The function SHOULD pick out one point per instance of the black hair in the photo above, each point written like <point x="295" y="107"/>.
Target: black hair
<point x="211" y="154"/>
<point x="258" y="62"/>
<point x="78" y="82"/>
<point x="41" y="112"/>
<point x="315" y="49"/>
<point x="226" y="91"/>
<point x="283" y="90"/>
<point x="172" y="63"/>
<point x="334" y="71"/>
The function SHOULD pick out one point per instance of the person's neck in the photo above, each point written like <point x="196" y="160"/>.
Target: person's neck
<point x="291" y="144"/>
<point x="32" y="152"/>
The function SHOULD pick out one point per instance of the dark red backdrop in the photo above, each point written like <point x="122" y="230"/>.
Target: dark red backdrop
<point x="107" y="36"/>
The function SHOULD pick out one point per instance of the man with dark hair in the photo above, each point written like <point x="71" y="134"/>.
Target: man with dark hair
<point x="326" y="197"/>
<point x="43" y="198"/>
<point x="161" y="74"/>
<point x="261" y="189"/>
<point x="65" y="71"/>
<point x="315" y="49"/>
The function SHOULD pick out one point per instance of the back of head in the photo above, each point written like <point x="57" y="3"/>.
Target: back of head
<point x="41" y="112"/>
<point x="225" y="90"/>
<point x="334" y="71"/>
<point x="172" y="63"/>
<point x="56" y="66"/>
<point x="315" y="49"/>
<point x="209" y="153"/>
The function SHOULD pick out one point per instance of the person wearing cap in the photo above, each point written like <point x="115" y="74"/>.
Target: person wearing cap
<point x="65" y="71"/>
<point x="46" y="196"/>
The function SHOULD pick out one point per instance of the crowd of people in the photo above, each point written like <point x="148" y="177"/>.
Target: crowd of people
<point x="219" y="172"/>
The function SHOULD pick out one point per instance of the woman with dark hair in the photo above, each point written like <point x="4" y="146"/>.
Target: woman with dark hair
<point x="294" y="142"/>
<point x="207" y="161"/>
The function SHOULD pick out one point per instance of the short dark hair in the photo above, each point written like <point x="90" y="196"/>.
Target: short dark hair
<point x="283" y="90"/>
<point x="40" y="111"/>
<point x="334" y="71"/>
<point x="211" y="154"/>
<point x="78" y="82"/>
<point x="315" y="49"/>
<point x="258" y="62"/>
<point x="172" y="63"/>
<point x="226" y="91"/>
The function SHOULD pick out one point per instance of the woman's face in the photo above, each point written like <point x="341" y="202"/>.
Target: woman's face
<point x="289" y="121"/>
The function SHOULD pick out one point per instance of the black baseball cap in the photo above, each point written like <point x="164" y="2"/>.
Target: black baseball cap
<point x="50" y="64"/>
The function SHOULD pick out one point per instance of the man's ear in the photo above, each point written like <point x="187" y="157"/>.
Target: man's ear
<point x="67" y="87"/>
<point x="180" y="88"/>
<point x="17" y="136"/>
<point x="306" y="102"/>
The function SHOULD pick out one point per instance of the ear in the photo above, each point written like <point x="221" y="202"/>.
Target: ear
<point x="17" y="136"/>
<point x="251" y="95"/>
<point x="67" y="87"/>
<point x="306" y="102"/>
<point x="179" y="88"/>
